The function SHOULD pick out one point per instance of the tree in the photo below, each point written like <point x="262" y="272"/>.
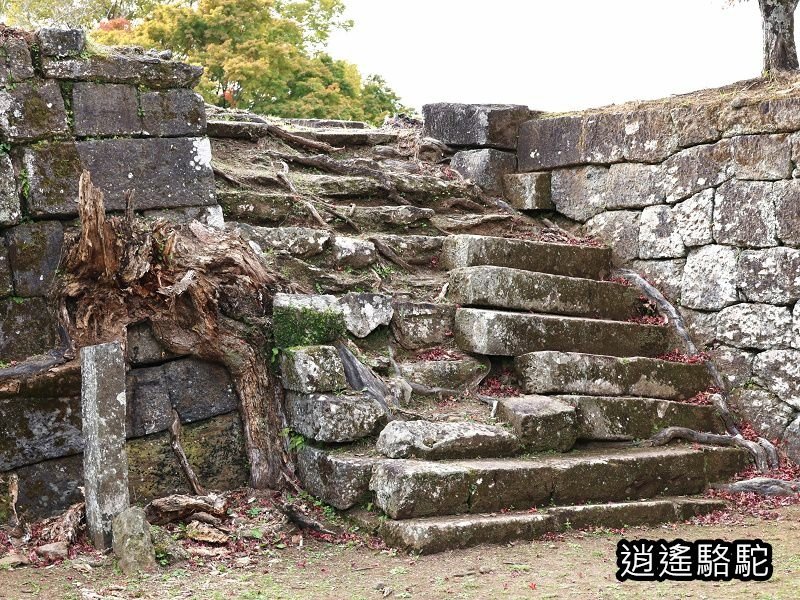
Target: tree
<point x="263" y="55"/>
<point x="780" y="51"/>
<point x="31" y="14"/>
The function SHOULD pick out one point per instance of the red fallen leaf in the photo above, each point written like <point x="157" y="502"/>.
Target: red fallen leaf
<point x="678" y="356"/>
<point x="532" y="585"/>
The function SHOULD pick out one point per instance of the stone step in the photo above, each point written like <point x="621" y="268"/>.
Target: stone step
<point x="502" y="333"/>
<point x="406" y="489"/>
<point x="436" y="534"/>
<point x="458" y="374"/>
<point x="558" y="259"/>
<point x="541" y="423"/>
<point x="443" y="440"/>
<point x="515" y="289"/>
<point x="603" y="418"/>
<point x="599" y="375"/>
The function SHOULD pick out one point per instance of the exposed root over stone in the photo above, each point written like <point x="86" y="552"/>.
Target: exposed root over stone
<point x="665" y="436"/>
<point x="763" y="486"/>
<point x="205" y="292"/>
<point x="179" y="507"/>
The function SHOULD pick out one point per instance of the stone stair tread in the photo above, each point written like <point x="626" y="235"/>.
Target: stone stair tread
<point x="549" y="372"/>
<point x="506" y="333"/>
<point x="455" y="374"/>
<point x="413" y="488"/>
<point x="518" y="289"/>
<point x="435" y="534"/>
<point x="558" y="259"/>
<point x="615" y="418"/>
<point x="445" y="440"/>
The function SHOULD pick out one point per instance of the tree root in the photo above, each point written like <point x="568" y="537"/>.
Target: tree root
<point x="122" y="272"/>
<point x="392" y="256"/>
<point x="763" y="486"/>
<point x="177" y="448"/>
<point x="669" y="434"/>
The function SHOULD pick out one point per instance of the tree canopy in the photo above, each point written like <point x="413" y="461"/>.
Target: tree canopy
<point x="263" y="55"/>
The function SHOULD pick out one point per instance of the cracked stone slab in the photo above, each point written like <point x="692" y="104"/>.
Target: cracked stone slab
<point x="444" y="440"/>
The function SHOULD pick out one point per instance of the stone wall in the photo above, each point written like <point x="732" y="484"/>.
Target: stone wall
<point x="128" y="117"/>
<point x="701" y="195"/>
<point x="132" y="120"/>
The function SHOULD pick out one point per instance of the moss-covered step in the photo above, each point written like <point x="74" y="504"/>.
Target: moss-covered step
<point x="600" y="375"/>
<point x="503" y="333"/>
<point x="406" y="489"/>
<point x="604" y="418"/>
<point x="516" y="289"/>
<point x="559" y="259"/>
<point x="437" y="534"/>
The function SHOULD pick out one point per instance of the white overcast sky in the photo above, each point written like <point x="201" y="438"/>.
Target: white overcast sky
<point x="552" y="55"/>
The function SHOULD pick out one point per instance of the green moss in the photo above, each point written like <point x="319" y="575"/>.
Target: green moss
<point x="66" y="92"/>
<point x="306" y="326"/>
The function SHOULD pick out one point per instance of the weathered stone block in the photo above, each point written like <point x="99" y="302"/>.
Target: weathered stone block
<point x="37" y="429"/>
<point x="580" y="193"/>
<point x="364" y="313"/>
<point x="310" y="369"/>
<point x="762" y="157"/>
<point x="10" y="211"/>
<point x="619" y="229"/>
<point x="32" y="110"/>
<point x="353" y="252"/>
<point x="666" y="275"/>
<point x="786" y="195"/>
<point x="27" y="328"/>
<point x="105" y="109"/>
<point x="779" y="371"/>
<point x="459" y="374"/>
<point x="634" y="185"/>
<point x="486" y="168"/>
<point x="541" y="423"/>
<point x="105" y="463"/>
<point x="559" y="259"/>
<point x="15" y="60"/>
<point x="792" y="438"/>
<point x="6" y="282"/>
<point x="142" y="346"/>
<point x="702" y="326"/>
<point x="694" y="219"/>
<point x="734" y="365"/>
<point x="165" y="173"/>
<point x="771" y="275"/>
<point x="132" y="543"/>
<point x="760" y="326"/>
<point x="341" y="481"/>
<point x="196" y="389"/>
<point x="333" y="419"/>
<point x="441" y="441"/>
<point x="34" y="251"/>
<point x="415" y="249"/>
<point x="695" y="124"/>
<point x="486" y="125"/>
<point x="659" y="234"/>
<point x="118" y="68"/>
<point x="744" y="214"/>
<point x="528" y="191"/>
<point x="696" y="169"/>
<point x="709" y="279"/>
<point x="550" y="143"/>
<point x="650" y="135"/>
<point x="303" y="242"/>
<point x="173" y="113"/>
<point x="768" y="414"/>
<point x="796" y="326"/>
<point x="420" y="325"/>
<point x="60" y="42"/>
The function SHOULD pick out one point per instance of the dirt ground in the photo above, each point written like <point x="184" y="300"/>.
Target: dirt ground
<point x="581" y="565"/>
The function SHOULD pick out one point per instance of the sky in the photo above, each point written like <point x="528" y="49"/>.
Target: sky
<point x="553" y="55"/>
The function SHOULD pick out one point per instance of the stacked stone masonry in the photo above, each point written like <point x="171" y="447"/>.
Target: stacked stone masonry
<point x="703" y="200"/>
<point x="127" y="116"/>
<point x="132" y="120"/>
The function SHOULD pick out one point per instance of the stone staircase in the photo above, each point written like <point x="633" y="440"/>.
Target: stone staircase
<point x="573" y="353"/>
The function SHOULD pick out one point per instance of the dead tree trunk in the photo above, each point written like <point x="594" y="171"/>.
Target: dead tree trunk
<point x="780" y="52"/>
<point x="122" y="271"/>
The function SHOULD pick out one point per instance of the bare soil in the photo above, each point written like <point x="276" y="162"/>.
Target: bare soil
<point x="579" y="565"/>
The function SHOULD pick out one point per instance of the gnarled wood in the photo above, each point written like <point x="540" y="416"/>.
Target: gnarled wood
<point x="780" y="52"/>
<point x="178" y="507"/>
